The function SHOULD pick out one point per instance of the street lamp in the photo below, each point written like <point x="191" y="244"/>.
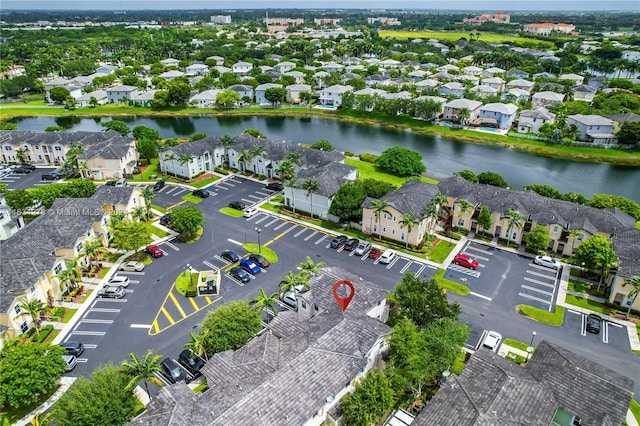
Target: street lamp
<point x="581" y="272"/>
<point x="530" y="348"/>
<point x="258" y="230"/>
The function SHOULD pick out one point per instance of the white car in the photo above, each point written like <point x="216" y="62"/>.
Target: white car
<point x="492" y="341"/>
<point x="70" y="361"/>
<point x="387" y="256"/>
<point x="248" y="212"/>
<point x="119" y="280"/>
<point x="132" y="266"/>
<point x="547" y="262"/>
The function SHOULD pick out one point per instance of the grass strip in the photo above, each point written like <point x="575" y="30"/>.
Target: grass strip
<point x="585" y="303"/>
<point x="550" y="318"/>
<point x="516" y="344"/>
<point x="450" y="285"/>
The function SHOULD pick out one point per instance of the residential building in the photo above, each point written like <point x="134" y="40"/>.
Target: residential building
<point x="145" y="98"/>
<point x="593" y="128"/>
<point x="170" y="62"/>
<point x="384" y="20"/>
<point x="515" y="95"/>
<point x="241" y="68"/>
<point x="121" y="94"/>
<point x="219" y="60"/>
<point x="299" y="76"/>
<point x="99" y="95"/>
<point x="556" y="388"/>
<point x="206" y="99"/>
<point x="106" y="70"/>
<point x="453" y="108"/>
<point x="294" y="91"/>
<point x="327" y="21"/>
<point x="376" y="79"/>
<point x="620" y="119"/>
<point x="545" y="99"/>
<point x="472" y="70"/>
<point x="546" y="28"/>
<point x="243" y="90"/>
<point x="193" y="158"/>
<point x="520" y="84"/>
<point x="197" y="69"/>
<point x="284" y="67"/>
<point x="484" y="91"/>
<point x="498" y="17"/>
<point x="13" y="71"/>
<point x="113" y="158"/>
<point x="495" y="82"/>
<point x="75" y="91"/>
<point x="575" y="78"/>
<point x="497" y="115"/>
<point x="626" y="244"/>
<point x="332" y="67"/>
<point x="453" y="88"/>
<point x="517" y="74"/>
<point x="583" y="93"/>
<point x="11" y="221"/>
<point x="221" y="19"/>
<point x="171" y="75"/>
<point x="631" y="55"/>
<point x="332" y="95"/>
<point x="531" y="120"/>
<point x="260" y="92"/>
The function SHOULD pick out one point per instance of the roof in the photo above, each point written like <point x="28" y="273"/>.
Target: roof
<point x="21" y="137"/>
<point x="412" y="197"/>
<point x="505" y="109"/>
<point x="624" y="118"/>
<point x="540" y="112"/>
<point x="114" y="148"/>
<point x="559" y="97"/>
<point x="494" y="391"/>
<point x="330" y="177"/>
<point x="463" y="103"/>
<point x="591" y="120"/>
<point x="121" y="88"/>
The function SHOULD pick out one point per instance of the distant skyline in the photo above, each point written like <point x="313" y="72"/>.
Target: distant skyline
<point x="484" y="5"/>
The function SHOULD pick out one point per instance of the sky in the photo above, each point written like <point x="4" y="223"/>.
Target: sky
<point x="484" y="5"/>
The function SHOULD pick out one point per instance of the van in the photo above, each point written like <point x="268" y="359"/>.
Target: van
<point x="121" y="183"/>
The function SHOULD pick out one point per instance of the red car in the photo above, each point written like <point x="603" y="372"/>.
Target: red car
<point x="154" y="251"/>
<point x="374" y="253"/>
<point x="466" y="261"/>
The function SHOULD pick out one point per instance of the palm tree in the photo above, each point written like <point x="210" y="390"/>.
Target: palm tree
<point x="21" y="154"/>
<point x="84" y="167"/>
<point x="142" y="369"/>
<point x="430" y="211"/>
<point x="170" y="157"/>
<point x="184" y="159"/>
<point x="607" y="260"/>
<point x="635" y="283"/>
<point x="70" y="274"/>
<point x="379" y="207"/>
<point x="244" y="158"/>
<point x="32" y="309"/>
<point x="93" y="249"/>
<point x="310" y="185"/>
<point x="226" y="141"/>
<point x="310" y="267"/>
<point x="464" y="207"/>
<point x="196" y="345"/>
<point x="264" y="301"/>
<point x="463" y="115"/>
<point x="41" y="419"/>
<point x="514" y="219"/>
<point x="291" y="281"/>
<point x="407" y="221"/>
<point x="139" y="213"/>
<point x="439" y="200"/>
<point x="574" y="233"/>
<point x="286" y="170"/>
<point x="295" y="157"/>
<point x="148" y="194"/>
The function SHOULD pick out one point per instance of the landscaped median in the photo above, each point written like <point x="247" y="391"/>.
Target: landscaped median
<point x="550" y="318"/>
<point x="450" y="285"/>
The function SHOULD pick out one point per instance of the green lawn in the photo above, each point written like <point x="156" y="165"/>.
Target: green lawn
<point x="9" y="416"/>
<point x="550" y="318"/>
<point x="585" y="303"/>
<point x="457" y="35"/>
<point x="518" y="359"/>
<point x="516" y="344"/>
<point x="103" y="272"/>
<point x="186" y="281"/>
<point x="450" y="285"/>
<point x="371" y="171"/>
<point x="155" y="230"/>
<point x="265" y="252"/>
<point x="578" y="286"/>
<point x="192" y="199"/>
<point x="233" y="212"/>
<point x="635" y="409"/>
<point x="441" y="251"/>
<point x="68" y="314"/>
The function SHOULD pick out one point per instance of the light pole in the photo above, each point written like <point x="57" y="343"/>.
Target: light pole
<point x="530" y="347"/>
<point x="258" y="230"/>
<point x="581" y="272"/>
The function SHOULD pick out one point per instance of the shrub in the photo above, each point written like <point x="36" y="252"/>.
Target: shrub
<point x="221" y="171"/>
<point x="349" y="154"/>
<point x="143" y="162"/>
<point x="262" y="177"/>
<point x="44" y="333"/>
<point x="58" y="312"/>
<point x="369" y="158"/>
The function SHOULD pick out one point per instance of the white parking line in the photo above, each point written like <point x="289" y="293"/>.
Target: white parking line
<point x="171" y="245"/>
<point x="466" y="271"/>
<point x="248" y="202"/>
<point x="548" y="293"/>
<point x="321" y="239"/>
<point x="476" y="257"/>
<point x="272" y="222"/>
<point x="210" y="265"/>
<point x="405" y="267"/>
<point x="531" y="280"/>
<point x="605" y="331"/>
<point x="297" y="234"/>
<point x="90" y="346"/>
<point x="263" y="219"/>
<point x="106" y="299"/>
<point x="254" y="196"/>
<point x="81" y="360"/>
<point x="311" y="236"/>
<point x="140" y="326"/>
<point x="480" y="296"/>
<point x="541" y="275"/>
<point x="169" y="191"/>
<point x="279" y="226"/>
<point x="88" y="333"/>
<point x="108" y="310"/>
<point x="479" y="250"/>
<point x="234" y="242"/>
<point x="537" y="299"/>
<point x="393" y="262"/>
<point x="417" y="274"/>
<point x="130" y="272"/>
<point x="96" y="321"/>
<point x="292" y="227"/>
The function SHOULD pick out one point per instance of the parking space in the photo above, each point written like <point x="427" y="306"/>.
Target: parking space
<point x="27" y="180"/>
<point x="539" y="286"/>
<point x="610" y="332"/>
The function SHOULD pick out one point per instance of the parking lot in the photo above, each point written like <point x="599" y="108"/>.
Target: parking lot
<point x="28" y="180"/>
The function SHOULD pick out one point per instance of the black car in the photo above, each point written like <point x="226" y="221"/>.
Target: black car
<point x="238" y="205"/>
<point x="230" y="256"/>
<point x="191" y="362"/>
<point x="110" y="183"/>
<point x="172" y="370"/>
<point x="202" y="193"/>
<point x="22" y="170"/>
<point x="240" y="274"/>
<point x="338" y="241"/>
<point x="50" y="176"/>
<point x="31" y="167"/>
<point x="351" y="244"/>
<point x="274" y="186"/>
<point x="259" y="260"/>
<point x="73" y="348"/>
<point x="594" y="323"/>
<point x="166" y="219"/>
<point x="158" y="185"/>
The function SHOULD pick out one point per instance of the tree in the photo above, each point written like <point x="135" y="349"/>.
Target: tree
<point x="545" y="191"/>
<point x="104" y="399"/>
<point x="160" y="100"/>
<point x="537" y="239"/>
<point x="603" y="201"/>
<point x="196" y="345"/>
<point x="493" y="179"/>
<point x="254" y="132"/>
<point x="187" y="219"/>
<point x="423" y="302"/>
<point x="591" y="252"/>
<point x="463" y="207"/>
<point x="118" y="126"/>
<point x="21" y="155"/>
<point x="629" y="133"/>
<point x="226" y="141"/>
<point x="484" y="218"/>
<point x="401" y="161"/>
<point x="275" y="95"/>
<point x="631" y="296"/>
<point x="148" y="194"/>
<point x="227" y="98"/>
<point x="407" y="221"/>
<point x="128" y="235"/>
<point x="18" y="199"/>
<point x="322" y="145"/>
<point x="310" y="267"/>
<point x="311" y="186"/>
<point x="28" y="370"/>
<point x="70" y="103"/>
<point x="179" y="92"/>
<point x="379" y="207"/>
<point x="267" y="302"/>
<point x="295" y="282"/>
<point x="32" y="309"/>
<point x="607" y="260"/>
<point x="58" y="94"/>
<point x="197" y="137"/>
<point x="229" y="327"/>
<point x="372" y="397"/>
<point x="143" y="132"/>
<point x="514" y="219"/>
<point x="148" y="149"/>
<point x="463" y="115"/>
<point x="92" y="250"/>
<point x="467" y="175"/>
<point x="144" y="369"/>
<point x="286" y="170"/>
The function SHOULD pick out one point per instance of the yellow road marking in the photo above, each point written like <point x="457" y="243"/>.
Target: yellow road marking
<point x="193" y="302"/>
<point x="176" y="204"/>
<point x="208" y="300"/>
<point x="166" y="314"/>
<point x="175" y="302"/>
<point x="155" y="326"/>
<point x="279" y="236"/>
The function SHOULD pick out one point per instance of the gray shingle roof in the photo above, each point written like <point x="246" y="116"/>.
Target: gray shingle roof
<point x="114" y="148"/>
<point x="20" y="137"/>
<point x="412" y="197"/>
<point x="194" y="148"/>
<point x="329" y="176"/>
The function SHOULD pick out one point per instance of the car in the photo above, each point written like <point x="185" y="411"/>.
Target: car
<point x="121" y="183"/>
<point x="492" y="341"/>
<point x="338" y="241"/>
<point x="165" y="220"/>
<point x="238" y="205"/>
<point x="362" y="248"/>
<point x="119" y="280"/>
<point x="172" y="370"/>
<point x="259" y="260"/>
<point x="110" y="183"/>
<point x="202" y="193"/>
<point x="351" y="244"/>
<point x="70" y="361"/>
<point x="158" y="185"/>
<point x="249" y="266"/>
<point x="547" y="262"/>
<point x="133" y="266"/>
<point x="387" y="256"/>
<point x="374" y="253"/>
<point x="191" y="362"/>
<point x="594" y="323"/>
<point x="22" y="170"/>
<point x="50" y="176"/>
<point x="154" y="251"/>
<point x="73" y="348"/>
<point x="112" y="292"/>
<point x="289" y="298"/>
<point x="250" y="211"/>
<point x="274" y="186"/>
<point x="240" y="274"/>
<point x="230" y="256"/>
<point x="466" y="261"/>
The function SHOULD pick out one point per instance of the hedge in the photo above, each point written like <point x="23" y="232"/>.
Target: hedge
<point x="44" y="333"/>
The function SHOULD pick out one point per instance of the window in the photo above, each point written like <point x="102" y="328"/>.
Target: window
<point x="395" y="218"/>
<point x="24" y="327"/>
<point x="17" y="309"/>
<point x="402" y="237"/>
<point x="36" y="147"/>
<point x="513" y="237"/>
<point x="79" y="247"/>
<point x="375" y="228"/>
<point x="7" y="148"/>
<point x="460" y="222"/>
<point x="57" y="148"/>
<point x="303" y="304"/>
<point x="384" y="229"/>
<point x="57" y="268"/>
<point x="393" y="232"/>
<point x="555" y="229"/>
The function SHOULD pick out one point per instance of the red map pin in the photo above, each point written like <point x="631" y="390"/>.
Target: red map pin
<point x="343" y="302"/>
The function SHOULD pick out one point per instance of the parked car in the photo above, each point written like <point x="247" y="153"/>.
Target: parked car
<point x="492" y="341"/>
<point x="122" y="183"/>
<point x="374" y="253"/>
<point x="71" y="362"/>
<point x="230" y="256"/>
<point x="110" y="183"/>
<point x="165" y="220"/>
<point x="240" y="274"/>
<point x="119" y="280"/>
<point x="158" y="185"/>
<point x="289" y="298"/>
<point x="154" y="251"/>
<point x="250" y="211"/>
<point x="338" y="241"/>
<point x="202" y="193"/>
<point x="547" y="262"/>
<point x="191" y="362"/>
<point x="22" y="170"/>
<point x="73" y="348"/>
<point x="259" y="260"/>
<point x="387" y="256"/>
<point x="172" y="370"/>
<point x="112" y="292"/>
<point x="249" y="266"/>
<point x="50" y="176"/>
<point x="466" y="261"/>
<point x="238" y="205"/>
<point x="362" y="248"/>
<point x="274" y="186"/>
<point x="594" y="323"/>
<point x="132" y="266"/>
<point x="351" y="244"/>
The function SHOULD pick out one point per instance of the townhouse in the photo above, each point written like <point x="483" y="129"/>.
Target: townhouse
<point x="453" y="108"/>
<point x="113" y="158"/>
<point x="593" y="128"/>
<point x="260" y="91"/>
<point x="531" y="120"/>
<point x="546" y="98"/>
<point x="121" y="94"/>
<point x="332" y="95"/>
<point x="11" y="221"/>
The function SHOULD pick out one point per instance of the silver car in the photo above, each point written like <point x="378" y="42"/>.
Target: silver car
<point x="547" y="262"/>
<point x="363" y="248"/>
<point x="112" y="292"/>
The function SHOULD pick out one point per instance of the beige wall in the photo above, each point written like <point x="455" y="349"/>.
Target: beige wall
<point x="389" y="226"/>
